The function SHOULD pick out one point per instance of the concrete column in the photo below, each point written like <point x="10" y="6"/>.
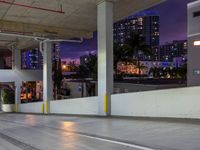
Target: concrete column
<point x="16" y="58"/>
<point x="105" y="56"/>
<point x="17" y="94"/>
<point x="47" y="75"/>
<point x="16" y="65"/>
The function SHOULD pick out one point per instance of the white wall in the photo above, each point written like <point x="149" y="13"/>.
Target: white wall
<point x="177" y="103"/>
<point x="83" y="106"/>
<point x="193" y="22"/>
<point x="20" y="75"/>
<point x="80" y="106"/>
<point x="170" y="103"/>
<point x="31" y="107"/>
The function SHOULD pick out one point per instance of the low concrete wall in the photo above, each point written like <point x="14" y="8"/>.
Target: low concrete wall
<point x="175" y="103"/>
<point x="171" y="103"/>
<point x="30" y="107"/>
<point x="83" y="106"/>
<point x="132" y="87"/>
<point x="20" y="75"/>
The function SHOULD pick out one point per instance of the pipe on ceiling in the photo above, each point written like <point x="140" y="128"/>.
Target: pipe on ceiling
<point x="57" y="40"/>
<point x="33" y="7"/>
<point x="21" y="35"/>
<point x="63" y="40"/>
<point x="39" y="38"/>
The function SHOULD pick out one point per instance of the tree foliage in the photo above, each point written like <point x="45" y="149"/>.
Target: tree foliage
<point x="132" y="51"/>
<point x="57" y="76"/>
<point x="89" y="68"/>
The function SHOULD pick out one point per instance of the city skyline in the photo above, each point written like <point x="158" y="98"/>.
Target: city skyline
<point x="173" y="26"/>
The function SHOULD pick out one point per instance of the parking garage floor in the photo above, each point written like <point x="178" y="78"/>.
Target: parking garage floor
<point x="37" y="132"/>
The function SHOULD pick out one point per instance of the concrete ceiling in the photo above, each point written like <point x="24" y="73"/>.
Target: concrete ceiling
<point x="79" y="19"/>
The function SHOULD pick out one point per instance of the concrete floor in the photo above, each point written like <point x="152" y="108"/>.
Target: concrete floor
<point x="35" y="132"/>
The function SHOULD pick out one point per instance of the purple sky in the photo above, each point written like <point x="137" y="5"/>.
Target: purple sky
<point x="75" y="50"/>
<point x="173" y="20"/>
<point x="173" y="26"/>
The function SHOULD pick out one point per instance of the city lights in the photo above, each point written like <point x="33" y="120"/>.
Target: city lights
<point x="197" y="43"/>
<point x="64" y="67"/>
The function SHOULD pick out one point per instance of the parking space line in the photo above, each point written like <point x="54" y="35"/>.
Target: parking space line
<point x="117" y="142"/>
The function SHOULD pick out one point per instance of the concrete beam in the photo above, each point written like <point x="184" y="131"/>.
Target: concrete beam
<point x="42" y="30"/>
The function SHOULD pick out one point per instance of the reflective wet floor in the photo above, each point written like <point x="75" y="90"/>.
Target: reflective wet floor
<point x="37" y="132"/>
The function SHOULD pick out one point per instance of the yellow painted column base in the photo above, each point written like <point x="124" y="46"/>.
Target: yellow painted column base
<point x="16" y="107"/>
<point x="43" y="108"/>
<point x="106" y="103"/>
<point x="47" y="107"/>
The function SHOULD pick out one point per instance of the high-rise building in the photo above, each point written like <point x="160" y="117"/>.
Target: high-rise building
<point x="145" y="24"/>
<point x="169" y="51"/>
<point x="151" y="30"/>
<point x="31" y="59"/>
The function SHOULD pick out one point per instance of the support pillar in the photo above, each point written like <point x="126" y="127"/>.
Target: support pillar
<point x="105" y="56"/>
<point x="47" y="76"/>
<point x="18" y="85"/>
<point x="16" y="58"/>
<point x="16" y="65"/>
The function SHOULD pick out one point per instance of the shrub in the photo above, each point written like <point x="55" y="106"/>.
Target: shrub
<point x="8" y="96"/>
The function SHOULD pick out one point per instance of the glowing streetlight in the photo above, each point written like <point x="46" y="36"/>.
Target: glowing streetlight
<point x="64" y="67"/>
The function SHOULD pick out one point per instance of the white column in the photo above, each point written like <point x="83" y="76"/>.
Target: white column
<point x="17" y="94"/>
<point x="105" y="56"/>
<point x="16" y="65"/>
<point x="47" y="75"/>
<point x="16" y="58"/>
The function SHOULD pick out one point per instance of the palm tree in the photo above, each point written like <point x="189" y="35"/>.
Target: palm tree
<point x="89" y="68"/>
<point x="57" y="76"/>
<point x="122" y="53"/>
<point x="138" y="46"/>
<point x="183" y="71"/>
<point x="72" y="66"/>
<point x="92" y="66"/>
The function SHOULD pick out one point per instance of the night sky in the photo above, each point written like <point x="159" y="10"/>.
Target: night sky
<point x="173" y="26"/>
<point x="173" y="20"/>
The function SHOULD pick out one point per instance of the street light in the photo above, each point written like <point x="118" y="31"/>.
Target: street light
<point x="64" y="67"/>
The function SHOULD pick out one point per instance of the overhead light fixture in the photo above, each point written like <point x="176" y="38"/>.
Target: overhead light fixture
<point x="197" y="43"/>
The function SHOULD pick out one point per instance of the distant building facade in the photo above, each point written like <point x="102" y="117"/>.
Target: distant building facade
<point x="169" y="51"/>
<point x="31" y="59"/>
<point x="147" y="25"/>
